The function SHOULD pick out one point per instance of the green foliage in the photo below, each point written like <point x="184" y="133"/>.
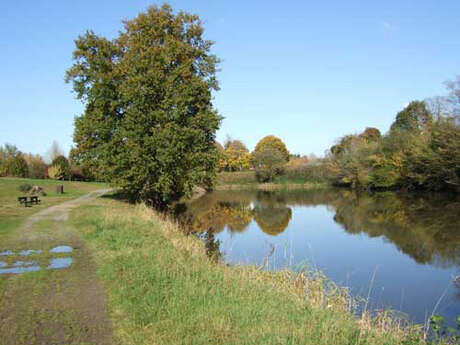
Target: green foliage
<point x="273" y="143"/>
<point x="25" y="187"/>
<point x="449" y="335"/>
<point x="419" y="152"/>
<point x="149" y="124"/>
<point x="350" y="162"/>
<point x="12" y="163"/>
<point x="436" y="164"/>
<point x="37" y="166"/>
<point x="309" y="172"/>
<point x="7" y="153"/>
<point x="268" y="163"/>
<point x="414" y="118"/>
<point x="17" y="167"/>
<point x="384" y="175"/>
<point x="60" y="168"/>
<point x="371" y="134"/>
<point x="81" y="169"/>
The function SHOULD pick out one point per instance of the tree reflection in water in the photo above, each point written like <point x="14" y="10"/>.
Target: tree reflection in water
<point x="271" y="213"/>
<point x="426" y="227"/>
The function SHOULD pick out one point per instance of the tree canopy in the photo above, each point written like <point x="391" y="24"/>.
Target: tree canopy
<point x="11" y="162"/>
<point x="268" y="163"/>
<point x="413" y="118"/>
<point x="421" y="151"/>
<point x="61" y="168"/>
<point x="17" y="166"/>
<point x="234" y="156"/>
<point x="272" y="142"/>
<point x="149" y="124"/>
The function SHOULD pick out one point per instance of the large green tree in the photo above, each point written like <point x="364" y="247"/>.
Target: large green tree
<point x="149" y="124"/>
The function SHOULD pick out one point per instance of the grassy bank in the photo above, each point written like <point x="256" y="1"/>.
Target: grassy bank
<point x="242" y="180"/>
<point x="11" y="213"/>
<point x="162" y="289"/>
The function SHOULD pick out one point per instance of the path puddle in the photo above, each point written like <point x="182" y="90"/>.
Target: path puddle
<point x="32" y="266"/>
<point x="24" y="263"/>
<point x="60" y="263"/>
<point x="21" y="269"/>
<point x="61" y="249"/>
<point x="29" y="252"/>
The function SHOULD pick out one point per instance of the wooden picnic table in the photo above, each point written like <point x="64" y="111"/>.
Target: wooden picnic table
<point x="34" y="199"/>
<point x="23" y="200"/>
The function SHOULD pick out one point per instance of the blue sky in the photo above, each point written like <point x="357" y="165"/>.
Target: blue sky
<point x="306" y="71"/>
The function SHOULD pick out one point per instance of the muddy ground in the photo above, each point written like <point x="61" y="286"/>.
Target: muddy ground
<point x="52" y="306"/>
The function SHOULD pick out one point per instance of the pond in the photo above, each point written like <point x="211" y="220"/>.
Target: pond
<point x="401" y="250"/>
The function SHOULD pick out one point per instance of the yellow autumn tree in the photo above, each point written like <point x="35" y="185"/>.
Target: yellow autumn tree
<point x="55" y="172"/>
<point x="272" y="142"/>
<point x="235" y="156"/>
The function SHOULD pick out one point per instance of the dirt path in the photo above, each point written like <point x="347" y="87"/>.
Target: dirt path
<point x="61" y="212"/>
<point x="62" y="306"/>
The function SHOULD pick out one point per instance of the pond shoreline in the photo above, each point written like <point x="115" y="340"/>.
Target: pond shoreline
<point x="273" y="186"/>
<point x="145" y="258"/>
<point x="393" y="229"/>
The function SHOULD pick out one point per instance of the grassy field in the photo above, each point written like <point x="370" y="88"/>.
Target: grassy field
<point x="162" y="289"/>
<point x="11" y="213"/>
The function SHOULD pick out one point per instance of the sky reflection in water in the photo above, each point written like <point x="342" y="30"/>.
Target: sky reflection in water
<point x="411" y="242"/>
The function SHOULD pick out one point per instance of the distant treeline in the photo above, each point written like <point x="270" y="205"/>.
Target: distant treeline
<point x="420" y="151"/>
<point x="14" y="163"/>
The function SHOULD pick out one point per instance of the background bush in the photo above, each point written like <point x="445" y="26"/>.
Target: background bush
<point x="37" y="166"/>
<point x="60" y="168"/>
<point x="25" y="187"/>
<point x="17" y="167"/>
<point x="268" y="163"/>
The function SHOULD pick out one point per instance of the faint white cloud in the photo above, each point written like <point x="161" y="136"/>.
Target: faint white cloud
<point x="387" y="26"/>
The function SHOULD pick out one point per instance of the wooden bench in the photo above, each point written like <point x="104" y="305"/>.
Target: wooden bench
<point x="34" y="200"/>
<point x="23" y="201"/>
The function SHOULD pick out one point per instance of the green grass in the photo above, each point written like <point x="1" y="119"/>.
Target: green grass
<point x="163" y="290"/>
<point x="12" y="214"/>
<point x="238" y="177"/>
<point x="247" y="180"/>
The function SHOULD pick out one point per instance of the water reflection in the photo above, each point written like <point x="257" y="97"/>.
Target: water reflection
<point x="60" y="263"/>
<point x="271" y="213"/>
<point x="411" y="241"/>
<point x="61" y="249"/>
<point x="425" y="227"/>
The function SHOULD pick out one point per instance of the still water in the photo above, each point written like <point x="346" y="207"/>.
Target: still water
<point x="401" y="250"/>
